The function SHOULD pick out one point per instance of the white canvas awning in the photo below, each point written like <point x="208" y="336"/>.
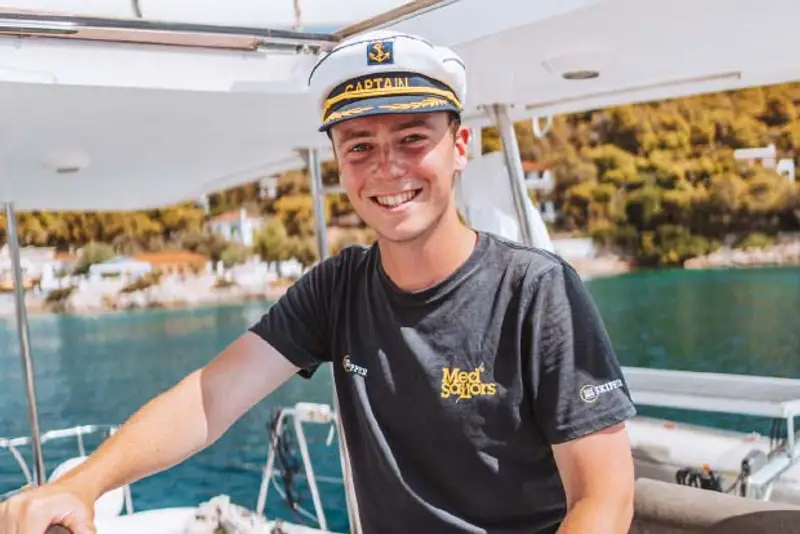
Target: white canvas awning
<point x="518" y="51"/>
<point x="316" y="14"/>
<point x="100" y="148"/>
<point x="146" y="125"/>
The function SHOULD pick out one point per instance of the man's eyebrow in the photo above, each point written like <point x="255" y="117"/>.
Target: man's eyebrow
<point x="355" y="134"/>
<point x="349" y="135"/>
<point x="413" y="123"/>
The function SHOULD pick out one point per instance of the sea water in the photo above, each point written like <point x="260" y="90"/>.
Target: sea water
<point x="99" y="369"/>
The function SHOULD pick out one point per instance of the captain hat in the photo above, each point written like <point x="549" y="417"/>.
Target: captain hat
<point x="386" y="72"/>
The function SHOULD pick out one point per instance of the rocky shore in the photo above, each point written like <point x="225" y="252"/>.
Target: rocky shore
<point x="189" y="293"/>
<point x="783" y="254"/>
<point x="602" y="266"/>
<point x="209" y="291"/>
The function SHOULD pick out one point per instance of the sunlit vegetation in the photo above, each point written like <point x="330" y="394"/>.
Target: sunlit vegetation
<point x="655" y="182"/>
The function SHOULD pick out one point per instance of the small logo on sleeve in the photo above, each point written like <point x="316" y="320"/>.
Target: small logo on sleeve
<point x="350" y="367"/>
<point x="589" y="393"/>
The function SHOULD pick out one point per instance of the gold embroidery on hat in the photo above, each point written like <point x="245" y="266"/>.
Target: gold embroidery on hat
<point x="378" y="82"/>
<point x="421" y="104"/>
<point x="347" y="113"/>
<point x="389" y="91"/>
<point x="378" y="54"/>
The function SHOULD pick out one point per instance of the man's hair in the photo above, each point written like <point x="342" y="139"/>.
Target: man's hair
<point x="454" y="122"/>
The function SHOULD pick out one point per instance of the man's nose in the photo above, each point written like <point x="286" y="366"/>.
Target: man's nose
<point x="389" y="163"/>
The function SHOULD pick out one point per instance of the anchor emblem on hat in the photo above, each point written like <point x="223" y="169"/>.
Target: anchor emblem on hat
<point x="379" y="52"/>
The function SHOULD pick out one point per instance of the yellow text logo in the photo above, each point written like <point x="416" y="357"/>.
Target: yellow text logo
<point x="465" y="384"/>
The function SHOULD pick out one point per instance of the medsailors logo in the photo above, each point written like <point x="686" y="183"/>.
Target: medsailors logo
<point x="465" y="384"/>
<point x="590" y="393"/>
<point x="352" y="368"/>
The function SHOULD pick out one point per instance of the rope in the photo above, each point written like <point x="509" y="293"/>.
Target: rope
<point x="287" y="464"/>
<point x="221" y="515"/>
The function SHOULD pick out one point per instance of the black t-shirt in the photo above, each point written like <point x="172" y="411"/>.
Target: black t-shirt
<point x="451" y="397"/>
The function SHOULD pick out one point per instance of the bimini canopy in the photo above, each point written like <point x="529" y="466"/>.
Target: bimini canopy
<point x="563" y="56"/>
<point x="93" y="118"/>
<point x="314" y="15"/>
<point x="122" y="117"/>
<point x="69" y="147"/>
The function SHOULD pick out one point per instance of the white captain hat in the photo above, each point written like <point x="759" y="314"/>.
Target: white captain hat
<point x="386" y="72"/>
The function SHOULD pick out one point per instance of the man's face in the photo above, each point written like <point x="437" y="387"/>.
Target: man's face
<point x="398" y="170"/>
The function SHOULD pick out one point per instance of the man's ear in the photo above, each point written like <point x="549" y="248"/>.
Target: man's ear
<point x="462" y="137"/>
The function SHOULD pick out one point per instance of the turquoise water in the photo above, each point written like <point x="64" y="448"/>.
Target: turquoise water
<point x="100" y="369"/>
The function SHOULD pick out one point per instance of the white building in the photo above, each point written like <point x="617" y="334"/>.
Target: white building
<point x="237" y="226"/>
<point x="540" y="178"/>
<point x="767" y="156"/>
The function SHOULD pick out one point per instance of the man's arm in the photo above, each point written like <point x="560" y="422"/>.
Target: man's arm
<point x="597" y="473"/>
<point x="293" y="335"/>
<point x="581" y="402"/>
<point x="168" y="429"/>
<point x="186" y="418"/>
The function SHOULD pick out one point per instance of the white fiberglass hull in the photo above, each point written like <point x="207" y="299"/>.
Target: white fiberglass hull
<point x="661" y="448"/>
<point x="174" y="521"/>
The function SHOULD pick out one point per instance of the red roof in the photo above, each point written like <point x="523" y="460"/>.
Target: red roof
<point x="536" y="166"/>
<point x="171" y="257"/>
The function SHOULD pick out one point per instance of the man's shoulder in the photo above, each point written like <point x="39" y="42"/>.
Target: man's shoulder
<point x="349" y="257"/>
<point x="352" y="257"/>
<point x="532" y="263"/>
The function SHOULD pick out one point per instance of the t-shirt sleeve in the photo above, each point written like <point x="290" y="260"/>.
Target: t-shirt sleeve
<point x="578" y="386"/>
<point x="298" y="324"/>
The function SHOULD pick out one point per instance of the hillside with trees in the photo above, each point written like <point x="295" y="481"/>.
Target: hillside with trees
<point x="656" y="182"/>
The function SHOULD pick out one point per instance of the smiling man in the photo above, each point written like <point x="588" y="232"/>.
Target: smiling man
<point x="478" y="389"/>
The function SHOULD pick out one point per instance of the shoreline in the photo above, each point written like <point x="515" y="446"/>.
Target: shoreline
<point x="191" y="295"/>
<point x="786" y="254"/>
<point x="148" y="299"/>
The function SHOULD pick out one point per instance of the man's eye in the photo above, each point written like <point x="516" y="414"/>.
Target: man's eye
<point x="413" y="138"/>
<point x="360" y="147"/>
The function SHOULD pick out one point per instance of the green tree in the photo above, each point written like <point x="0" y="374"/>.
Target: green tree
<point x="91" y="254"/>
<point x="272" y="243"/>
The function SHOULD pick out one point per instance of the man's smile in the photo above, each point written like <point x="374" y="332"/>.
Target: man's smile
<point x="396" y="199"/>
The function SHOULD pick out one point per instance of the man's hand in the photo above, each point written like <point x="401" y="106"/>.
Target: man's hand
<point x="598" y="477"/>
<point x="34" y="510"/>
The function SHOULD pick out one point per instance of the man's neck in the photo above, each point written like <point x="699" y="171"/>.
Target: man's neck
<point x="427" y="261"/>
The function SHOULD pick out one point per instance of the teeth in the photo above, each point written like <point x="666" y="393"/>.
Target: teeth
<point x="391" y="201"/>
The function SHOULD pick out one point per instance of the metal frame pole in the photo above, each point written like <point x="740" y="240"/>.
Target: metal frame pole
<point x="513" y="159"/>
<point x="318" y="198"/>
<point x="24" y="341"/>
<point x="534" y="232"/>
<point x="55" y="24"/>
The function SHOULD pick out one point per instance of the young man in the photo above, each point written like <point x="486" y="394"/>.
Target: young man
<point x="478" y="389"/>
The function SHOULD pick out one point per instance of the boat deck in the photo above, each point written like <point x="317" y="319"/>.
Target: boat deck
<point x="174" y="521"/>
<point x="761" y="396"/>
